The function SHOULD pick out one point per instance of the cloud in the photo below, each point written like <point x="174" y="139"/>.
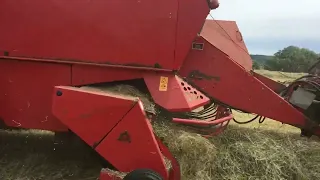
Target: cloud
<point x="270" y="25"/>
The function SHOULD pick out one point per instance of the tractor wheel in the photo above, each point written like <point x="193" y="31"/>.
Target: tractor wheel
<point x="142" y="174"/>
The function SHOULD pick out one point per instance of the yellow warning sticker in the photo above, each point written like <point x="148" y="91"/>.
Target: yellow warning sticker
<point x="163" y="86"/>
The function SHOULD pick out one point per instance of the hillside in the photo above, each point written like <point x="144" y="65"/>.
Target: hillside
<point x="261" y="59"/>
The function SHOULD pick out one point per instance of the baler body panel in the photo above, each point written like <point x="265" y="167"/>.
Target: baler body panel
<point x="226" y="36"/>
<point x="25" y="93"/>
<point x="134" y="33"/>
<point x="191" y="16"/>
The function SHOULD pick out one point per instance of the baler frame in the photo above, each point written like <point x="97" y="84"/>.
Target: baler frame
<point x="50" y="50"/>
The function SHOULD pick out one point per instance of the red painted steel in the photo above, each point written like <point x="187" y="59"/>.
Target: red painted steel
<point x="91" y="115"/>
<point x="226" y="37"/>
<point x="222" y="112"/>
<point x="211" y="126"/>
<point x="275" y="86"/>
<point x="218" y="72"/>
<point x="142" y="142"/>
<point x="191" y="16"/>
<point x="174" y="171"/>
<point x="110" y="32"/>
<point x="177" y="94"/>
<point x="48" y="46"/>
<point x="180" y="96"/>
<point x="113" y="125"/>
<point x="83" y="74"/>
<point x="25" y="93"/>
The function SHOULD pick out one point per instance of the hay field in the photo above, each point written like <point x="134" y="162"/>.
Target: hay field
<point x="254" y="151"/>
<point x="280" y="76"/>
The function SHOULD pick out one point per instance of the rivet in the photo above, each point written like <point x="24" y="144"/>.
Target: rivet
<point x="59" y="93"/>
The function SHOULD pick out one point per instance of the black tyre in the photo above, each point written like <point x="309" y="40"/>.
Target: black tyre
<point x="142" y="174"/>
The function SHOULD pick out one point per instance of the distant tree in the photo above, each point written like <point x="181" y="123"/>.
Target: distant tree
<point x="256" y="65"/>
<point x="292" y="59"/>
<point x="261" y="59"/>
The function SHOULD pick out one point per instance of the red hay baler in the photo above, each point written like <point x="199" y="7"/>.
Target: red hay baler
<point x="50" y="49"/>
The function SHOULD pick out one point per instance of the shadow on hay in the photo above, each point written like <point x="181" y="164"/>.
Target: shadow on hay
<point x="30" y="155"/>
<point x="238" y="153"/>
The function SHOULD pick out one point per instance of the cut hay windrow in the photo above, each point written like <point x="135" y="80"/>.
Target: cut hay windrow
<point x="239" y="153"/>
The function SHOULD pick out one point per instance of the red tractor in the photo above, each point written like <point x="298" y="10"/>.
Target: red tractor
<point x="50" y="50"/>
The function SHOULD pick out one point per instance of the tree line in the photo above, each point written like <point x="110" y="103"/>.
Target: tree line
<point x="289" y="59"/>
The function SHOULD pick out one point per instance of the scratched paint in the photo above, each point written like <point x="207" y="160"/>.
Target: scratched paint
<point x="196" y="74"/>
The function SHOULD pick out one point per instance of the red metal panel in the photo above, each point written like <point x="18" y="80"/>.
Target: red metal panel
<point x="91" y="115"/>
<point x="139" y="33"/>
<point x="174" y="94"/>
<point x="132" y="145"/>
<point x="175" y="171"/>
<point x="226" y="36"/>
<point x="82" y="74"/>
<point x="226" y="81"/>
<point x="275" y="86"/>
<point x="191" y="16"/>
<point x="26" y="93"/>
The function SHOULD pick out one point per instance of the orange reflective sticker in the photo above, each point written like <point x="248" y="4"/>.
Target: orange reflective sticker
<point x="163" y="86"/>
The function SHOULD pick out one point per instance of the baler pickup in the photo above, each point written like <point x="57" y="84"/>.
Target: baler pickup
<point x="222" y="70"/>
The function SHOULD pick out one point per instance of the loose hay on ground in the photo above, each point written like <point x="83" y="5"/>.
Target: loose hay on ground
<point x="31" y="155"/>
<point x="243" y="153"/>
<point x="124" y="90"/>
<point x="193" y="152"/>
<point x="239" y="153"/>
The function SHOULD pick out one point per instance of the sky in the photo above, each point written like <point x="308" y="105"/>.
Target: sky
<point x="270" y="25"/>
